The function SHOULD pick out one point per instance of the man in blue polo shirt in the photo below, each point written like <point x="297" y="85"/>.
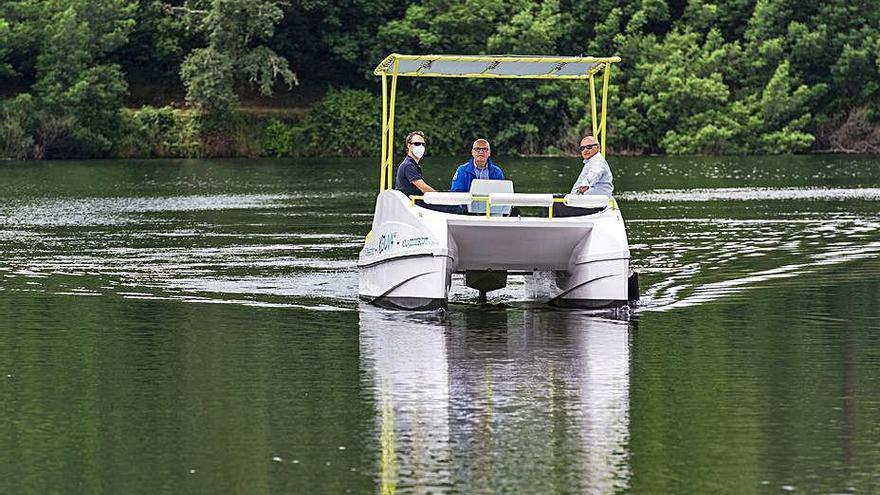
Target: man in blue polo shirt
<point x="478" y="167"/>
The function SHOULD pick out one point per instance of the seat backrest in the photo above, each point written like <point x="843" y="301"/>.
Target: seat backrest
<point x="482" y="187"/>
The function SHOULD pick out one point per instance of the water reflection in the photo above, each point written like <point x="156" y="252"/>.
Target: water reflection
<point x="489" y="399"/>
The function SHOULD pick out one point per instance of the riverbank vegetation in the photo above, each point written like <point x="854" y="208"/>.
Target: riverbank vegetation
<point x="144" y="78"/>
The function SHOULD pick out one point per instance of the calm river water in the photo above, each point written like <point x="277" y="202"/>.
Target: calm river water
<point x="193" y="327"/>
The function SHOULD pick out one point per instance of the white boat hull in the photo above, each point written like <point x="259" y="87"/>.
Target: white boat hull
<point x="409" y="257"/>
<point x="411" y="282"/>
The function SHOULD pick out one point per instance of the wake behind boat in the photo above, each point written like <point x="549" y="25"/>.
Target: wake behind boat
<point x="408" y="258"/>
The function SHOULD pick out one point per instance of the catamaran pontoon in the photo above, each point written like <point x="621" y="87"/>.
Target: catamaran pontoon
<point x="411" y="253"/>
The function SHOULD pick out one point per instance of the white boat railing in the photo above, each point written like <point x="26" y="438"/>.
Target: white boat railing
<point x="515" y="199"/>
<point x="587" y="201"/>
<point x="447" y="198"/>
<point x="521" y="199"/>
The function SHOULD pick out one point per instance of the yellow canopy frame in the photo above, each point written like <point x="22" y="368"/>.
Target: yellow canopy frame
<point x="486" y="67"/>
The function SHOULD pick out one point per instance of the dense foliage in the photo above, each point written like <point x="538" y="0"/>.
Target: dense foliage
<point x="742" y="76"/>
<point x="233" y="29"/>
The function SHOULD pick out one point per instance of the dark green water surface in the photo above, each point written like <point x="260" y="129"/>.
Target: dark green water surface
<point x="194" y="327"/>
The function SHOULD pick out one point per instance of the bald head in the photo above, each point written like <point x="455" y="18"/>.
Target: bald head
<point x="589" y="147"/>
<point x="481" y="151"/>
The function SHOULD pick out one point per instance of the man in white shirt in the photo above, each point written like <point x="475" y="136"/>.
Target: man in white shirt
<point x="595" y="178"/>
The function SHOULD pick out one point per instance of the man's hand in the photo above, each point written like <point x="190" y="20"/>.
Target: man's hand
<point x="423" y="186"/>
<point x="583" y="189"/>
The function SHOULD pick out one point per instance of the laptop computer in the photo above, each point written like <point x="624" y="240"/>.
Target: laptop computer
<point x="482" y="187"/>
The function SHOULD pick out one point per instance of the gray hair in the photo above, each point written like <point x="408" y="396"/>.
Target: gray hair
<point x="483" y="140"/>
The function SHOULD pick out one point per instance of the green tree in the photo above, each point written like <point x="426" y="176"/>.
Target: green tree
<point x="335" y="39"/>
<point x="517" y="117"/>
<point x="16" y="139"/>
<point x="26" y="20"/>
<point x="534" y="28"/>
<point x="64" y="47"/>
<point x="74" y="83"/>
<point x="152" y="57"/>
<point x="5" y="66"/>
<point x="698" y="76"/>
<point x="236" y="32"/>
<point x="677" y="82"/>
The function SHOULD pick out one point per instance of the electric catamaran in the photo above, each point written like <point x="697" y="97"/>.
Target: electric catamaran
<point x="411" y="253"/>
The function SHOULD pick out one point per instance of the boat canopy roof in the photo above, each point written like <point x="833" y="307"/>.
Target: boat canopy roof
<point x="493" y="66"/>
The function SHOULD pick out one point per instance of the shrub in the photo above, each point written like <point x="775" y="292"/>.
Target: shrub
<point x="344" y="123"/>
<point x="16" y="123"/>
<point x="158" y="133"/>
<point x="277" y="139"/>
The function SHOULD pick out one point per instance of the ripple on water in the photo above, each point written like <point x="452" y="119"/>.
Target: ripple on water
<point x="739" y="255"/>
<point x="752" y="194"/>
<point x="684" y="261"/>
<point x="116" y="211"/>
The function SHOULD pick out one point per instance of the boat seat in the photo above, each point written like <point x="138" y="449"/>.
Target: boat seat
<point x="578" y="205"/>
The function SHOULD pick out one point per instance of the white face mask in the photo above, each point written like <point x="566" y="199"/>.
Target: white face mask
<point x="418" y="151"/>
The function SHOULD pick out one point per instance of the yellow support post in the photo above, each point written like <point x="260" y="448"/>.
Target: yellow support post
<point x="382" y="173"/>
<point x="607" y="75"/>
<point x="488" y="207"/>
<point x="593" y="104"/>
<point x="391" y="124"/>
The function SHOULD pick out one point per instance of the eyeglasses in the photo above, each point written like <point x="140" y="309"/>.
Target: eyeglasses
<point x="417" y="144"/>
<point x="481" y="149"/>
<point x="587" y="146"/>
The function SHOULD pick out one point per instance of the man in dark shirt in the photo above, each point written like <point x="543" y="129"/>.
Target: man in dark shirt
<point x="409" y="173"/>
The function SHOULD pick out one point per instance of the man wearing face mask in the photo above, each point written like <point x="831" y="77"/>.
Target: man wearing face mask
<point x="409" y="173"/>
